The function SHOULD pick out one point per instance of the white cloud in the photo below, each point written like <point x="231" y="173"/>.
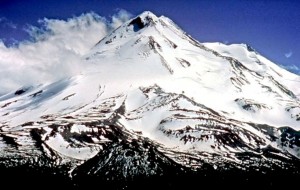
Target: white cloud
<point x="55" y="50"/>
<point x="4" y="23"/>
<point x="119" y="18"/>
<point x="292" y="68"/>
<point x="226" y="42"/>
<point x="289" y="54"/>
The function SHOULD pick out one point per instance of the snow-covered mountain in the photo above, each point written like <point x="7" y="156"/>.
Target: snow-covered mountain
<point x="153" y="101"/>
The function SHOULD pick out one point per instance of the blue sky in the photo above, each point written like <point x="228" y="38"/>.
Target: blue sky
<point x="270" y="27"/>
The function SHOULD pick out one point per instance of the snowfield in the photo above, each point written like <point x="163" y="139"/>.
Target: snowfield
<point x="150" y="82"/>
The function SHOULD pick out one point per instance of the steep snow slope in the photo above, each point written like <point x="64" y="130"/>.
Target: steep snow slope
<point x="149" y="88"/>
<point x="149" y="50"/>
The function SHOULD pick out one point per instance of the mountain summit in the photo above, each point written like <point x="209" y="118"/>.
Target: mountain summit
<point x="152" y="101"/>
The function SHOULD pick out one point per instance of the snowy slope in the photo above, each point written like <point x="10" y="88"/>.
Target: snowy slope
<point x="150" y="82"/>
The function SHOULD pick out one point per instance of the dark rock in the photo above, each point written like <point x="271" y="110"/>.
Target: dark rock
<point x="137" y="24"/>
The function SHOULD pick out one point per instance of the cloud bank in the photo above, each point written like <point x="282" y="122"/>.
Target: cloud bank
<point x="55" y="49"/>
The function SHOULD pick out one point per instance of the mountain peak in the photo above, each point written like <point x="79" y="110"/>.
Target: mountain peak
<point x="152" y="101"/>
<point x="146" y="18"/>
<point x="147" y="14"/>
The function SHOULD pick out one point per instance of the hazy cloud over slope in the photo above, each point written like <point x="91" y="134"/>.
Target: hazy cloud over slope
<point x="55" y="49"/>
